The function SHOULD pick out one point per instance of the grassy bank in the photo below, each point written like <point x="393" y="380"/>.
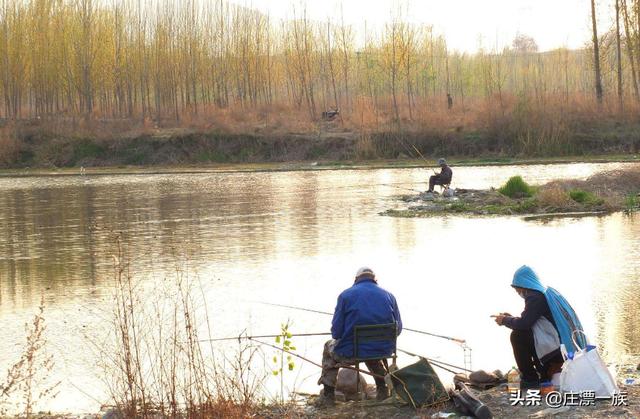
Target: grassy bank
<point x="47" y="145"/>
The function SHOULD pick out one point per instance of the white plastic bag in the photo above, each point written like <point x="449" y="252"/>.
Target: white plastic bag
<point x="586" y="372"/>
<point x="545" y="337"/>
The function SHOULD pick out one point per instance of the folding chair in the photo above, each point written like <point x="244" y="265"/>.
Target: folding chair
<point x="374" y="333"/>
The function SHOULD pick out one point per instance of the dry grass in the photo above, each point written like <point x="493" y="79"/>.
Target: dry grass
<point x="609" y="184"/>
<point x="27" y="381"/>
<point x="553" y="197"/>
<point x="510" y="127"/>
<point x="9" y="146"/>
<point x="159" y="360"/>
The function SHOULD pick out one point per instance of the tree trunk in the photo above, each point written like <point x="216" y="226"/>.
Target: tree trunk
<point x="619" y="57"/>
<point x="596" y="54"/>
<point x="629" y="44"/>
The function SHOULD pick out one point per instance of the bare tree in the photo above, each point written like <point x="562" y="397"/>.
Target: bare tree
<point x="524" y="44"/>
<point x="619" y="57"/>
<point x="628" y="41"/>
<point x="596" y="53"/>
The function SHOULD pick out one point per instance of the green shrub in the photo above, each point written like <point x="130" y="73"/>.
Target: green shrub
<point x="632" y="202"/>
<point x="584" y="197"/>
<point x="516" y="188"/>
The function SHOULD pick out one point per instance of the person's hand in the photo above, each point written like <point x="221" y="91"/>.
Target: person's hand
<point x="506" y="314"/>
<point x="499" y="318"/>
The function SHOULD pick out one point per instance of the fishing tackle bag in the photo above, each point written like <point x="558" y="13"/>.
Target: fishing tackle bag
<point x="418" y="384"/>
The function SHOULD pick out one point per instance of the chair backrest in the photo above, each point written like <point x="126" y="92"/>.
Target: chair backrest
<point x="374" y="333"/>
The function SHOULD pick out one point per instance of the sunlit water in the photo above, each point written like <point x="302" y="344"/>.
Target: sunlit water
<point x="297" y="238"/>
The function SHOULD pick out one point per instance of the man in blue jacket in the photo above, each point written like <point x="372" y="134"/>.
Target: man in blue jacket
<point x="365" y="303"/>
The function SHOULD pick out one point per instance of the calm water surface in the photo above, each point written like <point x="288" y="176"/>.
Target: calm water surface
<point x="297" y="238"/>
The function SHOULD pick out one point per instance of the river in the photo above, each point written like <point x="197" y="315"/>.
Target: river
<point x="297" y="238"/>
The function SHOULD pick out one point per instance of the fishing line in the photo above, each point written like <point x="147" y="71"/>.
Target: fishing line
<point x="264" y="336"/>
<point x="460" y="341"/>
<point x="312" y="362"/>
<point x="435" y="361"/>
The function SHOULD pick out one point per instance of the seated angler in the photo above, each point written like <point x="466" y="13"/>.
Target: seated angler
<point x="546" y="322"/>
<point x="442" y="178"/>
<point x="365" y="303"/>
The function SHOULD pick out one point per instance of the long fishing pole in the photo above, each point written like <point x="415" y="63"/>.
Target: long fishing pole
<point x="254" y="338"/>
<point x="312" y="362"/>
<point x="460" y="341"/>
<point x="400" y="187"/>
<point x="435" y="361"/>
<point x="264" y="336"/>
<point x="419" y="153"/>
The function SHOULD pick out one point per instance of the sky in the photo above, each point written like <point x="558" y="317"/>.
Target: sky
<point x="464" y="23"/>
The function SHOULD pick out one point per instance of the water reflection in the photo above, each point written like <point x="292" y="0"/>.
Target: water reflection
<point x="296" y="238"/>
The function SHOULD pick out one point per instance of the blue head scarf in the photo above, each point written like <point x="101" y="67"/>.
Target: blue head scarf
<point x="563" y="315"/>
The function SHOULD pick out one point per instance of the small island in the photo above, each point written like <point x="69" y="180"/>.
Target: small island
<point x="602" y="193"/>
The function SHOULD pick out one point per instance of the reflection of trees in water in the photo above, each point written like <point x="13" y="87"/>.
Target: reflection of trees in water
<point x="45" y="241"/>
<point x="49" y="241"/>
<point x="617" y="295"/>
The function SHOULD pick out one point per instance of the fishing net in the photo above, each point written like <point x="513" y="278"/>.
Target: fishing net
<point x="419" y="385"/>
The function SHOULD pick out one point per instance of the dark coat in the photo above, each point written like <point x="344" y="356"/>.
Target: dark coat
<point x="446" y="174"/>
<point x="535" y="305"/>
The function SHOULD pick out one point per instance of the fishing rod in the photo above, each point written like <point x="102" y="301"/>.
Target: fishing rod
<point x="264" y="336"/>
<point x="419" y="153"/>
<point x="254" y="338"/>
<point x="459" y="341"/>
<point x="439" y="364"/>
<point x="313" y="362"/>
<point x="435" y="361"/>
<point x="400" y="187"/>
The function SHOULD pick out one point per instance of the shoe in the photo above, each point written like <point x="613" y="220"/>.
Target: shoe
<point x="382" y="393"/>
<point x="325" y="401"/>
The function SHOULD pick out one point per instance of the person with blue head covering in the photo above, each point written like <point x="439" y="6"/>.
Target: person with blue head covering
<point x="546" y="322"/>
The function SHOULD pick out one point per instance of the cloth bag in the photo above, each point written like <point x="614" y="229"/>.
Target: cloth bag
<point x="584" y="370"/>
<point x="418" y="384"/>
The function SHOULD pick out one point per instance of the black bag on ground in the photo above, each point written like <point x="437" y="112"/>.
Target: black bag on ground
<point x="468" y="403"/>
<point x="419" y="385"/>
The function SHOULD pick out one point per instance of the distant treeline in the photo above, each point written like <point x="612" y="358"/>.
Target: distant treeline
<point x="167" y="59"/>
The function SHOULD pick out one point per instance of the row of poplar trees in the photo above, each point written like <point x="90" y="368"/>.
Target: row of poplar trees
<point x="167" y="58"/>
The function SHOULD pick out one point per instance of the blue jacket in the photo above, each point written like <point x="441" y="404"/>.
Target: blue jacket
<point x="365" y="303"/>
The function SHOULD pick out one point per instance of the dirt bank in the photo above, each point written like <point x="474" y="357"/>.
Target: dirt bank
<point x="498" y="401"/>
<point x="35" y="144"/>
